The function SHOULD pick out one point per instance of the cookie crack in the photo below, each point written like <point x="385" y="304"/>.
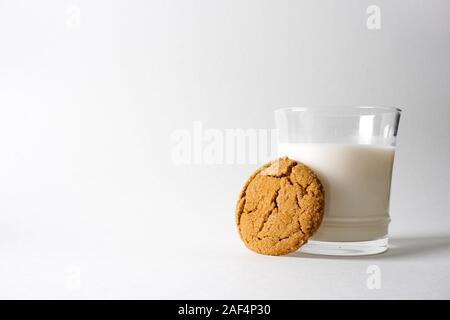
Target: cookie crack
<point x="289" y="172"/>
<point x="307" y="187"/>
<point x="282" y="238"/>
<point x="274" y="200"/>
<point x="289" y="169"/>
<point x="286" y="174"/>
<point x="292" y="181"/>
<point x="300" y="227"/>
<point x="298" y="201"/>
<point x="289" y="235"/>
<point x="300" y="207"/>
<point x="251" y="211"/>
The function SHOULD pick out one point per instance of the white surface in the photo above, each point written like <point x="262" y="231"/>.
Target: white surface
<point x="91" y="205"/>
<point x="416" y="267"/>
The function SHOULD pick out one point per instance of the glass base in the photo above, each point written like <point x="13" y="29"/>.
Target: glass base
<point x="361" y="248"/>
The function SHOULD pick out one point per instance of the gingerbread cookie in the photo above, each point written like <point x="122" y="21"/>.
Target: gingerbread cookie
<point x="280" y="207"/>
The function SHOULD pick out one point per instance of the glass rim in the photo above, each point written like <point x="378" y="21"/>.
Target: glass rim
<point x="378" y="109"/>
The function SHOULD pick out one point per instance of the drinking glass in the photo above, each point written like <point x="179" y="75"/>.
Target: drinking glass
<point x="351" y="149"/>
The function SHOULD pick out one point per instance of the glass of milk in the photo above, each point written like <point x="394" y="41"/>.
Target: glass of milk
<point x="352" y="151"/>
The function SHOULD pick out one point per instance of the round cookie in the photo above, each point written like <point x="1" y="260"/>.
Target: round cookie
<point x="280" y="207"/>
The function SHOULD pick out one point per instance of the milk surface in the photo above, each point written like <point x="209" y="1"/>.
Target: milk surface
<point x="357" y="180"/>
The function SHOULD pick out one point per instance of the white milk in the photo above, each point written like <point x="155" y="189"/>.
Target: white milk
<point x="357" y="180"/>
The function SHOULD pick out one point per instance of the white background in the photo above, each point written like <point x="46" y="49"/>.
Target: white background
<point x="91" y="205"/>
